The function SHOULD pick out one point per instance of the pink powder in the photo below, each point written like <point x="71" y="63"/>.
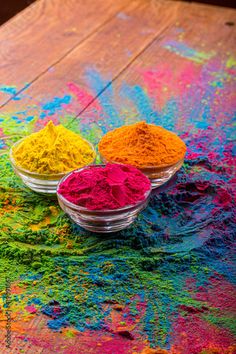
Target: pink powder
<point x="110" y="187"/>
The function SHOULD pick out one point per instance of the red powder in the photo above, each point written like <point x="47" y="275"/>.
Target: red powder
<point x="194" y="335"/>
<point x="110" y="187"/>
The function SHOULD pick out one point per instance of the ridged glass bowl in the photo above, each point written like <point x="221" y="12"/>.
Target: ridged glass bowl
<point x="41" y="183"/>
<point x="158" y="175"/>
<point x="161" y="174"/>
<point x="101" y="221"/>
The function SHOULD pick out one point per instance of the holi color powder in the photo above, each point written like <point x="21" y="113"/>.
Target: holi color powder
<point x="166" y="282"/>
<point x="10" y="90"/>
<point x="187" y="52"/>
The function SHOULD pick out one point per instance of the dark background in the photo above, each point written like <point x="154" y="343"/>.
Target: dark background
<point x="9" y="8"/>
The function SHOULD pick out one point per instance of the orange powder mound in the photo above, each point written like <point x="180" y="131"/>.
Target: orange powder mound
<point x="154" y="351"/>
<point x="142" y="145"/>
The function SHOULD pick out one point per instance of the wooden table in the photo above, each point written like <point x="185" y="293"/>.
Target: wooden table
<point x="94" y="65"/>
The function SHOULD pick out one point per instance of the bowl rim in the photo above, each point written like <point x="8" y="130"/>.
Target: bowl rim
<point x="98" y="211"/>
<point x="31" y="173"/>
<point x="143" y="167"/>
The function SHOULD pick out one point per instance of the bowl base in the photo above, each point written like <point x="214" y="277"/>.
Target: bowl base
<point x="160" y="176"/>
<point x="102" y="226"/>
<point x="39" y="186"/>
<point x="104" y="229"/>
<point x="113" y="222"/>
<point x="157" y="182"/>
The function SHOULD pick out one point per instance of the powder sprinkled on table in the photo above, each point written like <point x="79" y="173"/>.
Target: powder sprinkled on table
<point x="54" y="149"/>
<point x="142" y="145"/>
<point x="105" y="187"/>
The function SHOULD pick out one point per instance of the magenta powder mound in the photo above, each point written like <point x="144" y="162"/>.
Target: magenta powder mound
<point x="112" y="186"/>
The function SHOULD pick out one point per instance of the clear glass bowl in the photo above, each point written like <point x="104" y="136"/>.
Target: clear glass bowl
<point x="41" y="183"/>
<point x="161" y="174"/>
<point x="101" y="221"/>
<point x="158" y="175"/>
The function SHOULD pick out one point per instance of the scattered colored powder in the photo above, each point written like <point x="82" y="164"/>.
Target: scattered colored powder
<point x="231" y="62"/>
<point x="187" y="52"/>
<point x="142" y="144"/>
<point x="111" y="187"/>
<point x="10" y="90"/>
<point x="54" y="149"/>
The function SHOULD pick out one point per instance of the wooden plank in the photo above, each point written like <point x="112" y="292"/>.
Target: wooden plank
<point x="109" y="51"/>
<point x="198" y="50"/>
<point x="43" y="33"/>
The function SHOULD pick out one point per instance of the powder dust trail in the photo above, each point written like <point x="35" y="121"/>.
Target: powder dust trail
<point x="10" y="90"/>
<point x="187" y="52"/>
<point x="141" y="100"/>
<point x="168" y="281"/>
<point x="106" y="100"/>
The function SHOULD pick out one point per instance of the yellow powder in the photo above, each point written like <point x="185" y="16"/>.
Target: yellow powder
<point x="54" y="149"/>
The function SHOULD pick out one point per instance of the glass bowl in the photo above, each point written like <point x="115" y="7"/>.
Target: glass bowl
<point x="161" y="174"/>
<point x="101" y="221"/>
<point x="158" y="175"/>
<point x="41" y="183"/>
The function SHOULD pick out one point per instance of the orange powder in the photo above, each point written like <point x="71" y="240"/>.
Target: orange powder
<point x="141" y="145"/>
<point x="154" y="351"/>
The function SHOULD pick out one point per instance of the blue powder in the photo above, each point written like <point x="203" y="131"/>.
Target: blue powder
<point x="142" y="101"/>
<point x="52" y="107"/>
<point x="105" y="98"/>
<point x="10" y="90"/>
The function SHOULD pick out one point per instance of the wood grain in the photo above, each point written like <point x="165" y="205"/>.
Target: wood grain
<point x="46" y="31"/>
<point x="110" y="51"/>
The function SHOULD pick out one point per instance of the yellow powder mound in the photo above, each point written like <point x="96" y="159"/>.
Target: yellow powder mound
<point x="142" y="145"/>
<point x="52" y="150"/>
